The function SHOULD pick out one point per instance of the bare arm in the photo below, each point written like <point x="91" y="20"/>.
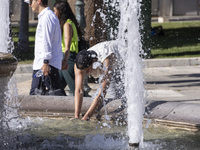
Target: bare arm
<point x="68" y="34"/>
<point x="104" y="86"/>
<point x="79" y="91"/>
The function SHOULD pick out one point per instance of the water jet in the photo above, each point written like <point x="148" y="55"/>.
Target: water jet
<point x="8" y="63"/>
<point x="57" y="132"/>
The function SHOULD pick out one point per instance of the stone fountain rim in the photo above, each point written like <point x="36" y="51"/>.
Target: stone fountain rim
<point x="7" y="58"/>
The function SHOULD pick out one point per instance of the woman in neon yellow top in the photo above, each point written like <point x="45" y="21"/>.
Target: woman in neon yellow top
<point x="74" y="39"/>
<point x="70" y="32"/>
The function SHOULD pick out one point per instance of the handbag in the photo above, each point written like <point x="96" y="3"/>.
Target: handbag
<point x="45" y="88"/>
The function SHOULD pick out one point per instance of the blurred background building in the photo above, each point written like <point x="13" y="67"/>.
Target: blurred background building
<point x="171" y="10"/>
<point x="165" y="10"/>
<point x="161" y="11"/>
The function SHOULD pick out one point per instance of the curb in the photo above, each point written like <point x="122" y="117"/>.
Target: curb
<point x="174" y="62"/>
<point x="148" y="63"/>
<point x="174" y="111"/>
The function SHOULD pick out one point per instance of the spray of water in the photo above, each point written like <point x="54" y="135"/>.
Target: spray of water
<point x="134" y="88"/>
<point x="8" y="100"/>
<point x="122" y="17"/>
<point x="7" y="46"/>
<point x="128" y="33"/>
<point x="4" y="26"/>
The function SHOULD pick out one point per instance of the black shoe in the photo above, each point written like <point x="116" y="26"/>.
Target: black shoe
<point x="86" y="94"/>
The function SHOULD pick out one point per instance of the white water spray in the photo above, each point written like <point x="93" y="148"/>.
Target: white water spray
<point x="128" y="33"/>
<point x="134" y="88"/>
<point x="4" y="26"/>
<point x="9" y="99"/>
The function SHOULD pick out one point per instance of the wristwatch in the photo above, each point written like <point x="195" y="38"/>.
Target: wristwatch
<point x="46" y="61"/>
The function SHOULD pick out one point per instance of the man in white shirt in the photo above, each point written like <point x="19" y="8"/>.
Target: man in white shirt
<point x="48" y="51"/>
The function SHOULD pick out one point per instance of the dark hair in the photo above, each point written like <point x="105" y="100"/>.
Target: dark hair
<point x="45" y="2"/>
<point x="85" y="58"/>
<point x="65" y="13"/>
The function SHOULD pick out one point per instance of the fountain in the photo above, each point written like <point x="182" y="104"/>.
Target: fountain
<point x="127" y="15"/>
<point x="134" y="88"/>
<point x="8" y="63"/>
<point x="61" y="133"/>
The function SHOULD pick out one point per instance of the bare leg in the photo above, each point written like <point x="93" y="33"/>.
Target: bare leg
<point x="78" y="105"/>
<point x="79" y="91"/>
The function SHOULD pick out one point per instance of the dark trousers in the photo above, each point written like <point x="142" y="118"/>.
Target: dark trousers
<point x="55" y="80"/>
<point x="67" y="76"/>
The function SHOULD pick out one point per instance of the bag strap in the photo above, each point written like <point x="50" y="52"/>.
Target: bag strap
<point x="43" y="81"/>
<point x="50" y="82"/>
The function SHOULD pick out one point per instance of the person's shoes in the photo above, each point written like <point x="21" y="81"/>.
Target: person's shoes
<point x="70" y="94"/>
<point x="86" y="94"/>
<point x="87" y="88"/>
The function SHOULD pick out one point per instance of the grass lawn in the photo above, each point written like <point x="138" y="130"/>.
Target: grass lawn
<point x="181" y="39"/>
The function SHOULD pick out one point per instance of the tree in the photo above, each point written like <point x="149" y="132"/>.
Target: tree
<point x="145" y="30"/>
<point x="23" y="43"/>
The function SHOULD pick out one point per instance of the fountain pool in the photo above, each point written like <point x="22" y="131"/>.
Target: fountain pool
<point x="62" y="133"/>
<point x="50" y="133"/>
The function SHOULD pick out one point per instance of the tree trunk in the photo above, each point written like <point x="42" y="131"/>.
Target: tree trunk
<point x="145" y="23"/>
<point x="23" y="43"/>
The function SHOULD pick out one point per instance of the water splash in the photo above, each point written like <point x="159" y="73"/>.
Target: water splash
<point x="122" y="21"/>
<point x="112" y="18"/>
<point x="4" y="26"/>
<point x="134" y="88"/>
<point x="128" y="33"/>
<point x="8" y="111"/>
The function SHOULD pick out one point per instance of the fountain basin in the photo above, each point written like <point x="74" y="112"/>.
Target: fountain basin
<point x="61" y="106"/>
<point x="8" y="64"/>
<point x="63" y="133"/>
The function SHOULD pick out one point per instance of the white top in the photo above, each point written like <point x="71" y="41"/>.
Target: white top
<point x="48" y="40"/>
<point x="103" y="50"/>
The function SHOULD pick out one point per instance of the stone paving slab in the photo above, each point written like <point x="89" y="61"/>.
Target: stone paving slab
<point x="174" y="111"/>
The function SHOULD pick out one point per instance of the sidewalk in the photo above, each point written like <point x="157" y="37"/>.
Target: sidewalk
<point x="172" y="87"/>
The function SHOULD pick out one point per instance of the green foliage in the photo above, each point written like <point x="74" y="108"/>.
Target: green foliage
<point x="181" y="39"/>
<point x="24" y="56"/>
